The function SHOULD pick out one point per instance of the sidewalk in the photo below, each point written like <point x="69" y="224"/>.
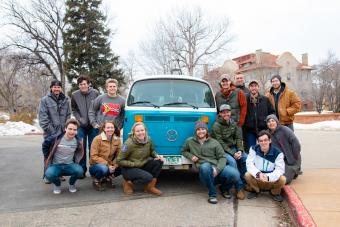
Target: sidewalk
<point x="319" y="192"/>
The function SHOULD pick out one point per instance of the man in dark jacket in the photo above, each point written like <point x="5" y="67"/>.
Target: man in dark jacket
<point x="289" y="144"/>
<point x="258" y="108"/>
<point x="209" y="157"/>
<point x="80" y="102"/>
<point x="63" y="153"/>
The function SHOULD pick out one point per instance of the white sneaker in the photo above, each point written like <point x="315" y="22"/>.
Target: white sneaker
<point x="72" y="188"/>
<point x="56" y="189"/>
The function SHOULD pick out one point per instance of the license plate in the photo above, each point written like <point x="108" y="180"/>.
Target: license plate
<point x="173" y="160"/>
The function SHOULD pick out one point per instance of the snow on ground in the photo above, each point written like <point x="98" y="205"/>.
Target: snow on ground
<point x="17" y="128"/>
<point x="323" y="125"/>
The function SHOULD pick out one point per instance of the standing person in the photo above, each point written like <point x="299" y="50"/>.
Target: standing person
<point x="80" y="102"/>
<point x="64" y="154"/>
<point x="285" y="101"/>
<point x="226" y="132"/>
<point x="239" y="83"/>
<point x="54" y="110"/>
<point x="209" y="157"/>
<point x="234" y="97"/>
<point x="139" y="161"/>
<point x="109" y="106"/>
<point x="258" y="108"/>
<point x="289" y="144"/>
<point x="265" y="168"/>
<point x="104" y="150"/>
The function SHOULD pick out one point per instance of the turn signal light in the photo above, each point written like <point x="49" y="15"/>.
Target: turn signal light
<point x="138" y="118"/>
<point x="205" y="119"/>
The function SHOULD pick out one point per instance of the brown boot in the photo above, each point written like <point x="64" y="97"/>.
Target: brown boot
<point x="128" y="187"/>
<point x="240" y="194"/>
<point x="151" y="188"/>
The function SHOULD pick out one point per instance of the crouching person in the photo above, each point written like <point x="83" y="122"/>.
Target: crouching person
<point x="265" y="168"/>
<point x="209" y="157"/>
<point x="65" y="152"/>
<point x="139" y="161"/>
<point x="104" y="149"/>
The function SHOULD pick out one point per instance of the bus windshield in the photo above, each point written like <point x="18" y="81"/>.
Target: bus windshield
<point x="171" y="93"/>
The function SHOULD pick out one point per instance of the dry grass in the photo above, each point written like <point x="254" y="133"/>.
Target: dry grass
<point x="24" y="116"/>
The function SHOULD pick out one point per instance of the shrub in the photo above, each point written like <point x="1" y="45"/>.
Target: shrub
<point x="24" y="116"/>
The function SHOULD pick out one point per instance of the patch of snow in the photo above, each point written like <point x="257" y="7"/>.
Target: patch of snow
<point x="17" y="128"/>
<point x="4" y="116"/>
<point x="323" y="125"/>
<point x="313" y="112"/>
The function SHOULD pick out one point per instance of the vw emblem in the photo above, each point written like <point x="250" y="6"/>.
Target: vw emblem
<point x="172" y="135"/>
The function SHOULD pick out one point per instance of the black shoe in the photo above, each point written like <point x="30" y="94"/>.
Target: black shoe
<point x="98" y="185"/>
<point x="277" y="198"/>
<point x="212" y="200"/>
<point x="226" y="195"/>
<point x="82" y="177"/>
<point x="252" y="195"/>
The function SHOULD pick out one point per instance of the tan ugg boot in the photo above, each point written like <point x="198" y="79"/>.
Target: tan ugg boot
<point x="128" y="187"/>
<point x="151" y="188"/>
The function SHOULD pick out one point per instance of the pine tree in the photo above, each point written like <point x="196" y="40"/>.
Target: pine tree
<point x="86" y="46"/>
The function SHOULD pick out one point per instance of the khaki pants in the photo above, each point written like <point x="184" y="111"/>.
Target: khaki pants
<point x="257" y="185"/>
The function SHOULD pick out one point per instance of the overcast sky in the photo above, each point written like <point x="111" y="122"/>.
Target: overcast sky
<point x="298" y="26"/>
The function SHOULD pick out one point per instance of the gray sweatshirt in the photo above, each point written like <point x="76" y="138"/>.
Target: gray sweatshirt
<point x="105" y="107"/>
<point x="81" y="104"/>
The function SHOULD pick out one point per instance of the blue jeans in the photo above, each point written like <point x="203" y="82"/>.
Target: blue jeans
<point x="240" y="165"/>
<point x="226" y="178"/>
<point x="99" y="171"/>
<point x="54" y="171"/>
<point x="251" y="139"/>
<point x="87" y="134"/>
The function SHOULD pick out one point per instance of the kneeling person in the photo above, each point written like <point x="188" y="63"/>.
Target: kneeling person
<point x="265" y="168"/>
<point x="65" y="152"/>
<point x="139" y="161"/>
<point x="209" y="157"/>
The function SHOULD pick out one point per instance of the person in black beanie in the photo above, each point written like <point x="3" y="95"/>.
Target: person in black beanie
<point x="54" y="110"/>
<point x="285" y="101"/>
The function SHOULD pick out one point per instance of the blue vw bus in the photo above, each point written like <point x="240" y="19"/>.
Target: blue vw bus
<point x="169" y="106"/>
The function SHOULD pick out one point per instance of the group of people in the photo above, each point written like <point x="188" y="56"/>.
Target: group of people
<point x="251" y="146"/>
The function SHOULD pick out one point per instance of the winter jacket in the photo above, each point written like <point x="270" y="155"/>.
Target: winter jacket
<point x="50" y="146"/>
<point x="105" y="107"/>
<point x="287" y="105"/>
<point x="285" y="139"/>
<point x="257" y="113"/>
<point x="104" y="151"/>
<point x="228" y="135"/>
<point x="53" y="113"/>
<point x="210" y="151"/>
<point x="81" y="103"/>
<point x="244" y="89"/>
<point x="237" y="101"/>
<point x="136" y="154"/>
<point x="272" y="164"/>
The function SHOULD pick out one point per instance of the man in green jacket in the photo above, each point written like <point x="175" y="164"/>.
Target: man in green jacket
<point x="209" y="157"/>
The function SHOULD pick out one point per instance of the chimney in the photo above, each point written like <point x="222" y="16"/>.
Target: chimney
<point x="305" y="59"/>
<point x="205" y="70"/>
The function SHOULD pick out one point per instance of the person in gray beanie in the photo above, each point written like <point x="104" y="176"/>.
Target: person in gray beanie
<point x="288" y="143"/>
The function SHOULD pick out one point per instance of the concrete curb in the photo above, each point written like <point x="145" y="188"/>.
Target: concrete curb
<point x="300" y="214"/>
<point x="33" y="133"/>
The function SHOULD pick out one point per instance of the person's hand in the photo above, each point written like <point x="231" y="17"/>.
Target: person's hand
<point x="96" y="126"/>
<point x="214" y="172"/>
<point x="238" y="155"/>
<point x="160" y="158"/>
<point x="112" y="169"/>
<point x="194" y="159"/>
<point x="263" y="177"/>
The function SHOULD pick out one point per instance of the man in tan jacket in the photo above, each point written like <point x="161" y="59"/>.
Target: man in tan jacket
<point x="285" y="101"/>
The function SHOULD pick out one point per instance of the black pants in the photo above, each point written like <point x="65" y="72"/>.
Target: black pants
<point x="144" y="174"/>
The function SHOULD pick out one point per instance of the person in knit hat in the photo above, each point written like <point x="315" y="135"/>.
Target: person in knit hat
<point x="208" y="156"/>
<point x="285" y="101"/>
<point x="233" y="96"/>
<point x="289" y="144"/>
<point x="54" y="110"/>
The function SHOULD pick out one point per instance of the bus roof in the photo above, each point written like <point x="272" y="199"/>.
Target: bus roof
<point x="177" y="77"/>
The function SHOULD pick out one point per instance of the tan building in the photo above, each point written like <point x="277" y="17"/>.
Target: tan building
<point x="263" y="65"/>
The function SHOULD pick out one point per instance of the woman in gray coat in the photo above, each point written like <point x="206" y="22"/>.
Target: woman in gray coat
<point x="285" y="139"/>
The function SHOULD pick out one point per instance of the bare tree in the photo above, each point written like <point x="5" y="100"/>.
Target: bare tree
<point x="37" y="30"/>
<point x="187" y="37"/>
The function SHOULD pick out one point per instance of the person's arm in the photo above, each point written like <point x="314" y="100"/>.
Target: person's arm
<point x="44" y="120"/>
<point x="121" y="114"/>
<point x="279" y="169"/>
<point x="270" y="107"/>
<point x="243" y="107"/>
<point x="68" y="103"/>
<point x="217" y="134"/>
<point x="95" y="104"/>
<point x="220" y="155"/>
<point x="294" y="105"/>
<point x="153" y="152"/>
<point x="123" y="155"/>
<point x="186" y="150"/>
<point x="74" y="108"/>
<point x="295" y="143"/>
<point x="95" y="150"/>
<point x="116" y="153"/>
<point x="250" y="163"/>
<point x="239" y="140"/>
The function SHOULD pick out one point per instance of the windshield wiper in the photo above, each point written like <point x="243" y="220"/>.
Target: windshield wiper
<point x="180" y="103"/>
<point x="144" y="102"/>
